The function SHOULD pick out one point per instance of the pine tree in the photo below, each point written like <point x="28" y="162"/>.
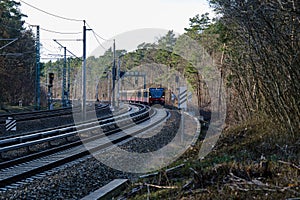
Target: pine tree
<point x="17" y="56"/>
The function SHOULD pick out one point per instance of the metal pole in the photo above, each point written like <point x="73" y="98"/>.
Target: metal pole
<point x="118" y="79"/>
<point x="83" y="105"/>
<point x="37" y="78"/>
<point x="97" y="88"/>
<point x="114" y="74"/>
<point x="49" y="97"/>
<point x="69" y="81"/>
<point x="178" y="90"/>
<point x="63" y="93"/>
<point x="108" y="88"/>
<point x="49" y="91"/>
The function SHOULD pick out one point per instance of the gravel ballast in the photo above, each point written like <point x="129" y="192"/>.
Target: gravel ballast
<point x="77" y="180"/>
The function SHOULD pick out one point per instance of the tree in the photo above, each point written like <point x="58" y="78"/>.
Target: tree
<point x="167" y="42"/>
<point x="17" y="73"/>
<point x="11" y="23"/>
<point x="263" y="58"/>
<point x="198" y="25"/>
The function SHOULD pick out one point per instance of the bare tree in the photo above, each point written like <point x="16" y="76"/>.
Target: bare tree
<point x="263" y="62"/>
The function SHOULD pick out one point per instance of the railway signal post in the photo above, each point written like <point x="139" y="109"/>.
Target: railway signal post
<point x="50" y="85"/>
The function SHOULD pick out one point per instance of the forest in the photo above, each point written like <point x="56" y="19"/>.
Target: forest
<point x="17" y="56"/>
<point x="253" y="45"/>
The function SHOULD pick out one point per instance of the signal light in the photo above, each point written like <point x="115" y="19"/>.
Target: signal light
<point x="51" y="77"/>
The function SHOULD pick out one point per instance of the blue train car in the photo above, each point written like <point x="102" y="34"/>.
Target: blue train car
<point x="156" y="96"/>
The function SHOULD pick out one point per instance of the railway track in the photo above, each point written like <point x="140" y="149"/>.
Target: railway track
<point x="35" y="138"/>
<point x="37" y="120"/>
<point x="17" y="169"/>
<point x="42" y="133"/>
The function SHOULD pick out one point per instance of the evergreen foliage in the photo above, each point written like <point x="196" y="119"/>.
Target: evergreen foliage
<point x="17" y="60"/>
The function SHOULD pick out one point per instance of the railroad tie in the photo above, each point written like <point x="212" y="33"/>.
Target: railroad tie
<point x="109" y="190"/>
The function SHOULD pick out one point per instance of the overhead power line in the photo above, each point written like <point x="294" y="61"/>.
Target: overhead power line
<point x="57" y="32"/>
<point x="98" y="41"/>
<point x="63" y="33"/>
<point x="11" y="41"/>
<point x="96" y="33"/>
<point x="47" y="49"/>
<point x="66" y="49"/>
<point x="54" y="15"/>
<point x="100" y="36"/>
<point x="65" y="18"/>
<point x="97" y="36"/>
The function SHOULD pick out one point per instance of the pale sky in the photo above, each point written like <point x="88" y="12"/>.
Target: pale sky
<point x="107" y="18"/>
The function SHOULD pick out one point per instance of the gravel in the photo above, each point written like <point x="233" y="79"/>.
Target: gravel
<point x="72" y="182"/>
<point x="87" y="175"/>
<point x="159" y="140"/>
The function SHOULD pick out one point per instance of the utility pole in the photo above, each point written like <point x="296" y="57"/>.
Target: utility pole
<point x="83" y="104"/>
<point x="69" y="81"/>
<point x="97" y="90"/>
<point x="37" y="77"/>
<point x="118" y="78"/>
<point x="114" y="72"/>
<point x="63" y="95"/>
<point x="108" y="88"/>
<point x="50" y="85"/>
<point x="65" y="92"/>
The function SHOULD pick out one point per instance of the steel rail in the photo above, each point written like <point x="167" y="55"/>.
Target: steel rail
<point x="95" y="144"/>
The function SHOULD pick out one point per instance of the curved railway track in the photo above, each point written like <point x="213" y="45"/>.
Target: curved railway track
<point x="33" y="135"/>
<point x="35" y="138"/>
<point x="111" y="133"/>
<point x="29" y="122"/>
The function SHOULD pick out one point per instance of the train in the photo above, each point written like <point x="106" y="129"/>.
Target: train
<point x="149" y="96"/>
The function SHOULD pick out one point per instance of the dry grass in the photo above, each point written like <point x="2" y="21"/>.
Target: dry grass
<point x="254" y="160"/>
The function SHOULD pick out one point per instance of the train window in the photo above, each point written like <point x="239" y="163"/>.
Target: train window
<point x="145" y="94"/>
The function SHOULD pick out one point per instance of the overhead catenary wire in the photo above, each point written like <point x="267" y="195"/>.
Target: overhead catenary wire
<point x="61" y="17"/>
<point x="96" y="33"/>
<point x="11" y="41"/>
<point x="98" y="41"/>
<point x="56" y="32"/>
<point x="62" y="33"/>
<point x="51" y="14"/>
<point x="96" y="36"/>
<point x="100" y="36"/>
<point x="44" y="29"/>
<point x="47" y="49"/>
<point x="66" y="49"/>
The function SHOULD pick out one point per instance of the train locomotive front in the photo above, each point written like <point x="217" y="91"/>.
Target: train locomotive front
<point x="156" y="96"/>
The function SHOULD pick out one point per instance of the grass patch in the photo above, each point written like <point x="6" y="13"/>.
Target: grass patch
<point x="254" y="160"/>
